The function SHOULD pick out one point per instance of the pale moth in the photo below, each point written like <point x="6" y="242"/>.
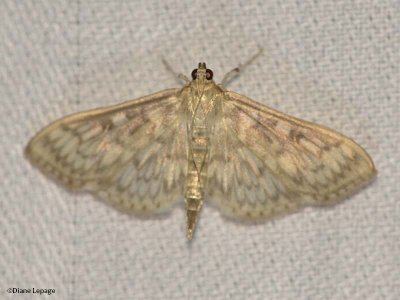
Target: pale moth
<point x="204" y="143"/>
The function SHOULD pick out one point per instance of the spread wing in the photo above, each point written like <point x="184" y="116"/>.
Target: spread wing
<point x="133" y="155"/>
<point x="264" y="163"/>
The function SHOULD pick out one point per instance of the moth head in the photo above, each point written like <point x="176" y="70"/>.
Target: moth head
<point x="202" y="72"/>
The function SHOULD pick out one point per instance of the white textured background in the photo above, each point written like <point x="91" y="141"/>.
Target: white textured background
<point x="333" y="62"/>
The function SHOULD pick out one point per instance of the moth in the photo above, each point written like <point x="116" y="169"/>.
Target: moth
<point x="204" y="143"/>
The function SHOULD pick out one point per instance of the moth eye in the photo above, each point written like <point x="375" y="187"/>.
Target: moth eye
<point x="194" y="74"/>
<point x="209" y="74"/>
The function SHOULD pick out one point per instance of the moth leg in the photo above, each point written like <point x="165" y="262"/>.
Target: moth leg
<point x="232" y="74"/>
<point x="177" y="75"/>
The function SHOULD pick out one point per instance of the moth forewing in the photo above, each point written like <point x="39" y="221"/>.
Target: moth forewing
<point x="294" y="163"/>
<point x="133" y="154"/>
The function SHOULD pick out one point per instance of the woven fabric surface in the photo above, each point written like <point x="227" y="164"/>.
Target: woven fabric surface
<point x="332" y="62"/>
